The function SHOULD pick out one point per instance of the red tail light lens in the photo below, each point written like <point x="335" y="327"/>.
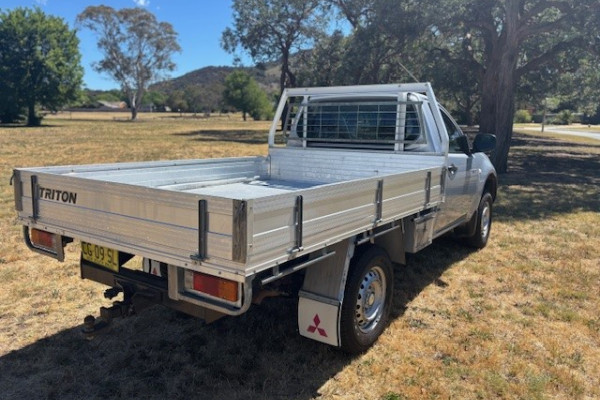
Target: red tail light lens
<point x="44" y="239"/>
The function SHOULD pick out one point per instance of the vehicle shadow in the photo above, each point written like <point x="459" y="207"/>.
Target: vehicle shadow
<point x="163" y="354"/>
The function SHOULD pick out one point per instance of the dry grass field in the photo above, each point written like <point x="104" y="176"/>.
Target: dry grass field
<point x="517" y="320"/>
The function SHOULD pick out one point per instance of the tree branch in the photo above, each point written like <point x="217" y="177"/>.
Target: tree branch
<point x="526" y="31"/>
<point x="468" y="64"/>
<point x="549" y="55"/>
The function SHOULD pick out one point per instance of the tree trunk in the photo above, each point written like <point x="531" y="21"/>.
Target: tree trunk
<point x="497" y="110"/>
<point x="505" y="111"/>
<point x="32" y="119"/>
<point x="285" y="62"/>
<point x="284" y="69"/>
<point x="498" y="92"/>
<point x="135" y="99"/>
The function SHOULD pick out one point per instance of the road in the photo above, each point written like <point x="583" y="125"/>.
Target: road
<point x="570" y="132"/>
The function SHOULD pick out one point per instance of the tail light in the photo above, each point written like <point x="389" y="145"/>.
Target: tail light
<point x="213" y="286"/>
<point x="47" y="243"/>
<point x="45" y="239"/>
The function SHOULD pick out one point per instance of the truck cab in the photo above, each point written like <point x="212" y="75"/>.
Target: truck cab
<point x="399" y="123"/>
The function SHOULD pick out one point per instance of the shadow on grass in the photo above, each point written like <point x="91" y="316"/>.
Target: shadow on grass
<point x="237" y="136"/>
<point x="548" y="177"/>
<point x="28" y="127"/>
<point x="162" y="354"/>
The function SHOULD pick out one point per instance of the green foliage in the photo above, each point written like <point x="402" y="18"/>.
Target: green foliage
<point x="592" y="117"/>
<point x="39" y="64"/>
<point x="474" y="52"/>
<point x="243" y="93"/>
<point x="155" y="99"/>
<point x="137" y="48"/>
<point x="523" y="117"/>
<point x="108" y="95"/>
<point x="263" y="109"/>
<point x="375" y="51"/>
<point x="325" y="64"/>
<point x="176" y="101"/>
<point x="273" y="30"/>
<point x="194" y="97"/>
<point x="565" y="117"/>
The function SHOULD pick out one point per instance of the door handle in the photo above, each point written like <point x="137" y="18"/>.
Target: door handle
<point x="452" y="169"/>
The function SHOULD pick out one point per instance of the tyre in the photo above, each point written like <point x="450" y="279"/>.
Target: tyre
<point x="484" y="223"/>
<point x="367" y="300"/>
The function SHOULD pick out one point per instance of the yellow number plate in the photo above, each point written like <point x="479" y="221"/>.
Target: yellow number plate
<point x="108" y="258"/>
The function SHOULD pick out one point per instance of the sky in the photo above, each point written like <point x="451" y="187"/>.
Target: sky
<point x="199" y="24"/>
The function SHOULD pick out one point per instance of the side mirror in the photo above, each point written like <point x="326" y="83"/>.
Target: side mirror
<point x="484" y="143"/>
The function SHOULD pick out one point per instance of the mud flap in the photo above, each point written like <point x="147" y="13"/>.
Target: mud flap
<point x="318" y="318"/>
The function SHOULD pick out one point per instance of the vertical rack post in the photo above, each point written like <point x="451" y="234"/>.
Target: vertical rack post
<point x="202" y="229"/>
<point x="428" y="188"/>
<point x="35" y="198"/>
<point x="379" y="202"/>
<point x="298" y="220"/>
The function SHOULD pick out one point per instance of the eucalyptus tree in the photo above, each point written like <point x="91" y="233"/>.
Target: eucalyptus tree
<point x="506" y="40"/>
<point x="477" y="52"/>
<point x="242" y="92"/>
<point x="377" y="49"/>
<point x="274" y="30"/>
<point x="40" y="64"/>
<point x="137" y="48"/>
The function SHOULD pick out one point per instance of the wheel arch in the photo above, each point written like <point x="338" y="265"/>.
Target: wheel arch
<point x="491" y="186"/>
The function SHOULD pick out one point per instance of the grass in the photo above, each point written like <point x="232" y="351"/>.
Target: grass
<point x="572" y="127"/>
<point x="517" y="320"/>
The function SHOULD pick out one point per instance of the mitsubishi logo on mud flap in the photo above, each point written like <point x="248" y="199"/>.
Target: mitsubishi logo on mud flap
<point x="315" y="327"/>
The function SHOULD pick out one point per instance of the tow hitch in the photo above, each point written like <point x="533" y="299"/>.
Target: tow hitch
<point x="134" y="301"/>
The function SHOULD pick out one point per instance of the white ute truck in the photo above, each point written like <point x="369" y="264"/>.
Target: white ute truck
<point x="361" y="176"/>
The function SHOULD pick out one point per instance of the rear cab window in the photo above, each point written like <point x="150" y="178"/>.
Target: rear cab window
<point x="377" y="124"/>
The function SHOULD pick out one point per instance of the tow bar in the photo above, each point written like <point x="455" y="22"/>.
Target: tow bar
<point x="134" y="301"/>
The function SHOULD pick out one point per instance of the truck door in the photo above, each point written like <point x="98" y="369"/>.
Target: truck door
<point x="459" y="180"/>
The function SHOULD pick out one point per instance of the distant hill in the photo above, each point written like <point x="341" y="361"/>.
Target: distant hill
<point x="211" y="81"/>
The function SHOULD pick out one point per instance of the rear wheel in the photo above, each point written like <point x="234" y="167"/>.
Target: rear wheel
<point x="484" y="222"/>
<point x="367" y="300"/>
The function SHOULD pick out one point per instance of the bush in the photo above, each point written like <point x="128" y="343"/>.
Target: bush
<point x="565" y="117"/>
<point x="263" y="110"/>
<point x="592" y="119"/>
<point x="522" y="117"/>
